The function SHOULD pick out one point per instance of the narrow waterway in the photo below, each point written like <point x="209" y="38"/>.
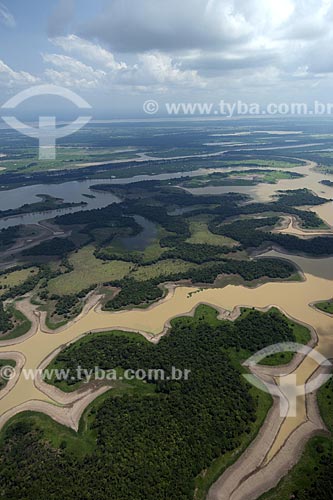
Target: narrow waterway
<point x="294" y="298"/>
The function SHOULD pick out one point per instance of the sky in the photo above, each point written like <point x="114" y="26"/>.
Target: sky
<point x="117" y="54"/>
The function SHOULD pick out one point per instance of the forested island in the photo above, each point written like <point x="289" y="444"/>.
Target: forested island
<point x="158" y="439"/>
<point x="327" y="182"/>
<point x="233" y="226"/>
<point x="325" y="306"/>
<point x="47" y="203"/>
<point x="166" y="431"/>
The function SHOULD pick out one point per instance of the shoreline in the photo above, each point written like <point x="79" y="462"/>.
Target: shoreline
<point x="254" y="472"/>
<point x="265" y="476"/>
<point x="73" y="404"/>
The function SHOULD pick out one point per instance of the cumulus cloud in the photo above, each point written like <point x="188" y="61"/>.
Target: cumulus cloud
<point x="155" y="68"/>
<point x="12" y="78"/>
<point x="88" y="50"/>
<point x="191" y="24"/>
<point x="215" y="35"/>
<point x="151" y="69"/>
<point x="72" y="73"/>
<point x="128" y="26"/>
<point x="200" y="45"/>
<point x="311" y="19"/>
<point x="6" y="17"/>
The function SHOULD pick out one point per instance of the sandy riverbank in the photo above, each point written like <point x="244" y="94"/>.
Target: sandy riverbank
<point x="280" y="440"/>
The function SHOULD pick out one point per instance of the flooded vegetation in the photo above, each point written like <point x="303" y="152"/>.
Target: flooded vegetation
<point x="148" y="248"/>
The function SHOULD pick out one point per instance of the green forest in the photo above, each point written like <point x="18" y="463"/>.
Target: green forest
<point x="148" y="440"/>
<point x="232" y="217"/>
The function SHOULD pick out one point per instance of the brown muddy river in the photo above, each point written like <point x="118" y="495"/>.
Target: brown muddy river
<point x="292" y="297"/>
<point x="265" y="192"/>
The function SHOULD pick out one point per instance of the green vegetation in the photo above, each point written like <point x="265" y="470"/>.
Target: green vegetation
<point x="201" y="235"/>
<point x="174" y="242"/>
<point x="28" y="285"/>
<point x="285" y="204"/>
<point x="249" y="333"/>
<point x="87" y="271"/>
<point x="47" y="203"/>
<point x="197" y="253"/>
<point x="301" y="335"/>
<point x="152" y="253"/>
<point x="204" y="242"/>
<point x="156" y="439"/>
<point x="61" y="308"/>
<point x="67" y="305"/>
<point x="13" y="278"/>
<point x="67" y="158"/>
<point x="152" y="439"/>
<point x="134" y="292"/>
<point x="91" y="153"/>
<point x="20" y="324"/>
<point x="251" y="233"/>
<point x="3" y="363"/>
<point x="5" y="319"/>
<point x="8" y="236"/>
<point x="325" y="403"/>
<point x="312" y="477"/>
<point x="250" y="177"/>
<point x="89" y="196"/>
<point x="325" y="306"/>
<point x="57" y="246"/>
<point x="162" y="268"/>
<point x="327" y="182"/>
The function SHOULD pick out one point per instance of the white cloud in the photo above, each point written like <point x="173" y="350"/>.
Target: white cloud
<point x="203" y="45"/>
<point x="73" y="73"/>
<point x="158" y="68"/>
<point x="165" y="26"/>
<point x="6" y="17"/>
<point x="88" y="50"/>
<point x="153" y="70"/>
<point x="237" y="34"/>
<point x="12" y="78"/>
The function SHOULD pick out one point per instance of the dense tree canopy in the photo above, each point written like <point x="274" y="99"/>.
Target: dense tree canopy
<point x="154" y="439"/>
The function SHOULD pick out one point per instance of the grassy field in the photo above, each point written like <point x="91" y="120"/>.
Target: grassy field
<point x="67" y="157"/>
<point x="15" y="278"/>
<point x="22" y="324"/>
<point x="154" y="250"/>
<point x="87" y="271"/>
<point x="200" y="234"/>
<point x="326" y="306"/>
<point x="274" y="177"/>
<point x="164" y="267"/>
